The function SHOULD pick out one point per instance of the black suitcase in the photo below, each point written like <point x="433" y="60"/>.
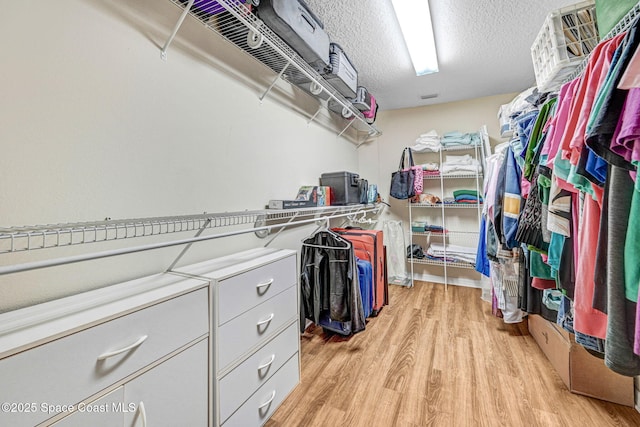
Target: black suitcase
<point x="295" y="24"/>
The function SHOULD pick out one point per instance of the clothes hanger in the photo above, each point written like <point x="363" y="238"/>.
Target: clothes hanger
<point x="324" y="228"/>
<point x="345" y="248"/>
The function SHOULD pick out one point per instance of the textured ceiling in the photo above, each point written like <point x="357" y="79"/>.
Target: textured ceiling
<point x="483" y="47"/>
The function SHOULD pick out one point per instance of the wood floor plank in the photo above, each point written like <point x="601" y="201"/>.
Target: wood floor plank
<point x="436" y="358"/>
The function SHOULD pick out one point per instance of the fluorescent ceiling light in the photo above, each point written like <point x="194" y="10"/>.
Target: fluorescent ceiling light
<point x="415" y="22"/>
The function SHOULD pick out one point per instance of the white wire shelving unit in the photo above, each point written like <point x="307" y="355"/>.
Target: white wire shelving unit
<point x="244" y="29"/>
<point x="264" y="223"/>
<point x="479" y="153"/>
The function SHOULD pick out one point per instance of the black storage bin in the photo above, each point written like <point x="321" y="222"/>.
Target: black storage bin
<point x="344" y="187"/>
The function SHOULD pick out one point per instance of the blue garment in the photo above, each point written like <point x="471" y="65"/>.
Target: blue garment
<point x="482" y="261"/>
<point x="565" y="320"/>
<point x="555" y="253"/>
<point x="512" y="202"/>
<point x="596" y="166"/>
<point x="524" y="127"/>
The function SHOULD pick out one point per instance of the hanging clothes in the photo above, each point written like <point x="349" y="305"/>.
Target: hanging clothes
<point x="329" y="281"/>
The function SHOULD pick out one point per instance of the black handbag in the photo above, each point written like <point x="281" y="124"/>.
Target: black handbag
<point x="402" y="180"/>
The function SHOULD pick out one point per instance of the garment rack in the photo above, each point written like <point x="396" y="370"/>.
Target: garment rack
<point x="29" y="238"/>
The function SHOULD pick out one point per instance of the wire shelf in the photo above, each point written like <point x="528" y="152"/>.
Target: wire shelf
<point x="460" y="147"/>
<point x="447" y="233"/>
<point x="444" y="148"/>
<point x="427" y="261"/>
<point x="446" y="205"/>
<point x="462" y="175"/>
<point x="26" y="238"/>
<point x="232" y="20"/>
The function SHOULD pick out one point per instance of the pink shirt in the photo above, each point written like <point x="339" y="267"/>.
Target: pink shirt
<point x="631" y="76"/>
<point x="593" y="82"/>
<point x="565" y="98"/>
<point x="587" y="319"/>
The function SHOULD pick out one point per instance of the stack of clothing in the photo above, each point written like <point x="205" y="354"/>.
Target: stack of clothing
<point x="467" y="196"/>
<point x="454" y="165"/>
<point x="451" y="139"/>
<point x="429" y="141"/>
<point x="453" y="253"/>
<point x="436" y="229"/>
<point x="426" y="198"/>
<point x="430" y="169"/>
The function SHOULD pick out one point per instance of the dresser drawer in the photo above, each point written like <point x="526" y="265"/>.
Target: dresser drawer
<point x="239" y="384"/>
<point x="256" y="325"/>
<point x="257" y="410"/>
<point x="67" y="370"/>
<point x="240" y="293"/>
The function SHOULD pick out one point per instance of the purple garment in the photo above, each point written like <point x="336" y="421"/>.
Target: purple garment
<point x="628" y="128"/>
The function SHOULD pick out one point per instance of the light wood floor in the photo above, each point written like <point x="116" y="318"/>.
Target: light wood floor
<point x="436" y="358"/>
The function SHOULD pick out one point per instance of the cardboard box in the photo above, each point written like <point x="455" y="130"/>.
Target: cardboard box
<point x="581" y="372"/>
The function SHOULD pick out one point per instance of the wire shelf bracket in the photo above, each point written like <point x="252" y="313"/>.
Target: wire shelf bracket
<point x="185" y="12"/>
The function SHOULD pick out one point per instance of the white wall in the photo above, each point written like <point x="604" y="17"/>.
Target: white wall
<point x="379" y="159"/>
<point x="93" y="124"/>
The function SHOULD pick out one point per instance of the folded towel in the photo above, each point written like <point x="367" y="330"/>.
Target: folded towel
<point x="447" y="169"/>
<point x="465" y="192"/>
<point x="429" y="141"/>
<point x="460" y="160"/>
<point x="459" y="138"/>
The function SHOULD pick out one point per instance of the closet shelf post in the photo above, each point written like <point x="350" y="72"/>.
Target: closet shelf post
<point x="278" y="77"/>
<point x="185" y="12"/>
<point x="188" y="246"/>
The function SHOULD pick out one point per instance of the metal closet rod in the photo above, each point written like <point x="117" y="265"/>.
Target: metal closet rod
<point x="35" y="265"/>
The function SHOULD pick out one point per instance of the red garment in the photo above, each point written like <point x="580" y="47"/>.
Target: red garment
<point x="587" y="319"/>
<point x="543" y="284"/>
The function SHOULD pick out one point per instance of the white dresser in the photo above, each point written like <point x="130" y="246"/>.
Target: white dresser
<point x="128" y="354"/>
<point x="255" y="333"/>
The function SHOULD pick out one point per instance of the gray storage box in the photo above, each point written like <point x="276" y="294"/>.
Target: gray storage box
<point x="299" y="28"/>
<point x="344" y="187"/>
<point x="341" y="73"/>
<point x="362" y="101"/>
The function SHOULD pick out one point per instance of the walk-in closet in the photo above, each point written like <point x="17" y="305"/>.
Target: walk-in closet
<point x="310" y="213"/>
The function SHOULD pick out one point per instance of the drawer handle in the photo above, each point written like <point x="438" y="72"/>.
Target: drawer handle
<point x="142" y="413"/>
<point x="267" y="320"/>
<point x="259" y="286"/>
<point x="107" y="355"/>
<point x="266" y="365"/>
<point x="273" y="396"/>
